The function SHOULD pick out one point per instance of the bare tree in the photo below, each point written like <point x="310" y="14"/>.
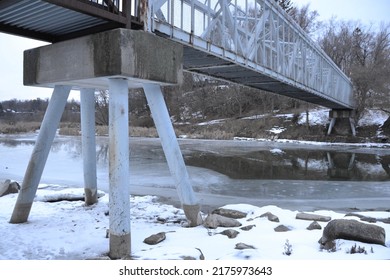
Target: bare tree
<point x="306" y="18"/>
<point x="364" y="55"/>
<point x="286" y="5"/>
<point x="101" y="105"/>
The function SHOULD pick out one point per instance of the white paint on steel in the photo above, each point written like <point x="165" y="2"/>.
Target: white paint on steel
<point x="40" y="154"/>
<point x="257" y="34"/>
<point x="119" y="193"/>
<point x="87" y="110"/>
<point x="169" y="143"/>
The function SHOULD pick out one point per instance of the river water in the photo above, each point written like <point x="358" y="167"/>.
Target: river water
<point x="290" y="175"/>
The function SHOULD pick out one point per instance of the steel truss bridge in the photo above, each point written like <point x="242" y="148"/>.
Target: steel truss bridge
<point x="249" y="42"/>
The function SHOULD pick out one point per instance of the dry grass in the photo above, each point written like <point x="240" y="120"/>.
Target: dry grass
<point x="143" y="132"/>
<point x="19" y="127"/>
<point x="102" y="130"/>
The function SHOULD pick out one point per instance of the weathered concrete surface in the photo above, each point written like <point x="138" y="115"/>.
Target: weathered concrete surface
<point x="88" y="61"/>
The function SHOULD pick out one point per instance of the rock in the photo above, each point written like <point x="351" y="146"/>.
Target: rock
<point x="231" y="233"/>
<point x="155" y="238"/>
<point x="312" y="217"/>
<point x="271" y="217"/>
<point x="353" y="230"/>
<point x="384" y="220"/>
<point x="369" y="219"/>
<point x="247" y="228"/>
<point x="314" y="225"/>
<point x="281" y="228"/>
<point x="215" y="220"/>
<point x="243" y="246"/>
<point x="235" y="214"/>
<point x="8" y="187"/>
<point x="329" y="246"/>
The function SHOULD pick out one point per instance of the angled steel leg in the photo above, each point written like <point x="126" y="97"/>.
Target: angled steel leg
<point x="87" y="100"/>
<point x="172" y="152"/>
<point x="331" y="125"/>
<point x="40" y="153"/>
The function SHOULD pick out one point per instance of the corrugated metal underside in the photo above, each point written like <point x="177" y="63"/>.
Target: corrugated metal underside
<point x="42" y="20"/>
<point x="210" y="65"/>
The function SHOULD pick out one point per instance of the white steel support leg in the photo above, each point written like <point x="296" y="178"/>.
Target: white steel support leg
<point x="353" y="128"/>
<point x="119" y="169"/>
<point x="40" y="153"/>
<point x="87" y="100"/>
<point x="172" y="152"/>
<point x="331" y="125"/>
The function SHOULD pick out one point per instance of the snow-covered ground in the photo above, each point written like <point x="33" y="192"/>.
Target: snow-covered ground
<point x="71" y="230"/>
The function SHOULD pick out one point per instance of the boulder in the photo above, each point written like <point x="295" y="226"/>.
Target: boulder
<point x="231" y="233"/>
<point x="314" y="225"/>
<point x="235" y="214"/>
<point x="353" y="230"/>
<point x="271" y="217"/>
<point x="215" y="220"/>
<point x="8" y="187"/>
<point x="243" y="246"/>
<point x="155" y="238"/>
<point x="282" y="228"/>
<point x="312" y="217"/>
<point x="247" y="228"/>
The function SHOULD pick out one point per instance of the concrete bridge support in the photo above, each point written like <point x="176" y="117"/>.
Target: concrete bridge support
<point x="344" y="116"/>
<point x="116" y="60"/>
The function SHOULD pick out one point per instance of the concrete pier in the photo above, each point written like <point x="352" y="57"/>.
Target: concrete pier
<point x="88" y="62"/>
<point x="116" y="60"/>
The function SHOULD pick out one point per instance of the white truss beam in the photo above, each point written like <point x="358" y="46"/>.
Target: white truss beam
<point x="256" y="34"/>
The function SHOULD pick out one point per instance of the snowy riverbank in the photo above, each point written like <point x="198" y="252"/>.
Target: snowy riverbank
<point x="71" y="230"/>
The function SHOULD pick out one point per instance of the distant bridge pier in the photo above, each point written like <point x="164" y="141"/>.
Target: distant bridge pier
<point x="344" y="115"/>
<point x="116" y="60"/>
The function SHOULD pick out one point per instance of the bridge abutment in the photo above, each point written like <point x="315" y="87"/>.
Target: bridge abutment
<point x="116" y="60"/>
<point x="343" y="121"/>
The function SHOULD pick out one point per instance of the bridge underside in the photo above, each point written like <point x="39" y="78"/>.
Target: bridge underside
<point x="59" y="20"/>
<point x="210" y="65"/>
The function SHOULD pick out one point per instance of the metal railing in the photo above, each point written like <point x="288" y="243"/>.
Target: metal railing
<point x="257" y="34"/>
<point x="114" y="6"/>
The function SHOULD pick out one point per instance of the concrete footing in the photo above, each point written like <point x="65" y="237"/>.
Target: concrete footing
<point x="193" y="216"/>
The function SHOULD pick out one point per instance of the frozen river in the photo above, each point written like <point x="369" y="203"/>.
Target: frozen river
<point x="294" y="176"/>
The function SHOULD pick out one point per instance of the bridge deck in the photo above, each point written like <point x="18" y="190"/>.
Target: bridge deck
<point x="58" y="20"/>
<point x="210" y="65"/>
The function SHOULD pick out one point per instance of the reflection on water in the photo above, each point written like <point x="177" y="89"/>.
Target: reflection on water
<point x="237" y="161"/>
<point x="277" y="164"/>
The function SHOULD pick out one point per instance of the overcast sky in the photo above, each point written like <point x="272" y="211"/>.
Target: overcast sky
<point x="11" y="47"/>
